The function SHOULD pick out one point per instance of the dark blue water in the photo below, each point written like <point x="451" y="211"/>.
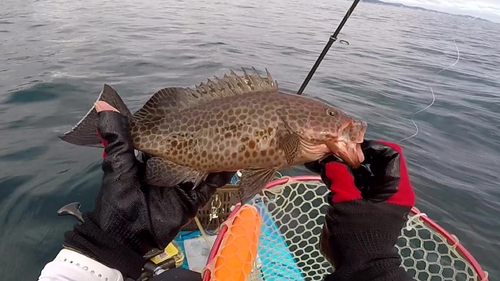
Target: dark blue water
<point x="55" y="56"/>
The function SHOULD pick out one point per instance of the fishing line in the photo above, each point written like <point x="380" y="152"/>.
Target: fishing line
<point x="413" y="117"/>
<point x="433" y="97"/>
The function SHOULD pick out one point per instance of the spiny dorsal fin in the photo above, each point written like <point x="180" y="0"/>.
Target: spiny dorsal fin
<point x="172" y="99"/>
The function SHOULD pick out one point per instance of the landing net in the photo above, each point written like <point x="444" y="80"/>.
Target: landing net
<point x="292" y="215"/>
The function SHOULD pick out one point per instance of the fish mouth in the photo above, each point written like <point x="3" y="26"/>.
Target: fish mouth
<point x="348" y="146"/>
<point x="351" y="153"/>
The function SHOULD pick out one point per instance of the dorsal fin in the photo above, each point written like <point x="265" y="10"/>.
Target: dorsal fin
<point x="173" y="99"/>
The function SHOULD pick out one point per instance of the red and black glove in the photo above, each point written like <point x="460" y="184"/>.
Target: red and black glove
<point x="368" y="208"/>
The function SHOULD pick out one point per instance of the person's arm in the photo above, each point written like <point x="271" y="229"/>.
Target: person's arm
<point x="129" y="218"/>
<point x="368" y="208"/>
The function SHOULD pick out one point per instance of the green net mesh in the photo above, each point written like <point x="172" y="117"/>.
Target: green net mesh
<point x="292" y="217"/>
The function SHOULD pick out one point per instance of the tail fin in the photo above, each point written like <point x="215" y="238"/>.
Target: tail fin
<point x="84" y="133"/>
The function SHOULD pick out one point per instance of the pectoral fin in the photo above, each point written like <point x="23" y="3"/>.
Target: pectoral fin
<point x="253" y="181"/>
<point x="289" y="143"/>
<point x="161" y="172"/>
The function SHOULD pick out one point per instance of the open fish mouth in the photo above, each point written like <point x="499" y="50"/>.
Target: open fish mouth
<point x="351" y="153"/>
<point x="348" y="147"/>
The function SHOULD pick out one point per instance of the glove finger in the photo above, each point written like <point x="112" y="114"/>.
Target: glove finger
<point x="342" y="182"/>
<point x="314" y="166"/>
<point x="213" y="181"/>
<point x="113" y="128"/>
<point x="405" y="194"/>
<point x="378" y="153"/>
<point x="120" y="164"/>
<point x="317" y="167"/>
<point x="199" y="196"/>
<point x="388" y="174"/>
<point x="219" y="179"/>
<point x="203" y="194"/>
<point x="378" y="177"/>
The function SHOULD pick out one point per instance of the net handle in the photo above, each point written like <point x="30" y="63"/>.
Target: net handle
<point x="460" y="248"/>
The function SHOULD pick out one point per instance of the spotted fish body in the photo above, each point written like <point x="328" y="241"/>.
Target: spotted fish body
<point x="229" y="124"/>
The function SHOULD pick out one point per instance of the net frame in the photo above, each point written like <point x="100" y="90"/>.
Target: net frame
<point x="416" y="220"/>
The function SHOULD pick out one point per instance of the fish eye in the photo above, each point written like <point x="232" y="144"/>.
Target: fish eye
<point x="331" y="112"/>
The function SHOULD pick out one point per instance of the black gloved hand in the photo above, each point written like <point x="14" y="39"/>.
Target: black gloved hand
<point x="131" y="218"/>
<point x="368" y="207"/>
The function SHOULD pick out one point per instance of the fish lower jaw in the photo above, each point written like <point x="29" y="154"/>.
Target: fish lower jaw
<point x="350" y="152"/>
<point x="311" y="153"/>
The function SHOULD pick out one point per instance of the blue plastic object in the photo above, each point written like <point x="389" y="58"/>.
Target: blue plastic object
<point x="277" y="260"/>
<point x="179" y="239"/>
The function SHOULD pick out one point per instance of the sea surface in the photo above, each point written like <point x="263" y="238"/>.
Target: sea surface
<point x="56" y="55"/>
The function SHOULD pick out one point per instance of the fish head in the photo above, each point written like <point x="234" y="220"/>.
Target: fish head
<point x="348" y="145"/>
<point x="340" y="133"/>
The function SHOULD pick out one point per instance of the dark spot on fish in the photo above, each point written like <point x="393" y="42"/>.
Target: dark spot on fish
<point x="210" y="156"/>
<point x="260" y="112"/>
<point x="205" y="125"/>
<point x="220" y="123"/>
<point x="245" y="139"/>
<point x="234" y="155"/>
<point x="240" y="159"/>
<point x="232" y="119"/>
<point x="251" y="144"/>
<point x="203" y="154"/>
<point x="228" y="135"/>
<point x="241" y="148"/>
<point x="254" y="154"/>
<point x="237" y="111"/>
<point x="213" y="122"/>
<point x="263" y="153"/>
<point x="247" y="154"/>
<point x="271" y="152"/>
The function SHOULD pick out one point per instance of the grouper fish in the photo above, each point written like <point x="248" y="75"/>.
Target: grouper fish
<point x="238" y="122"/>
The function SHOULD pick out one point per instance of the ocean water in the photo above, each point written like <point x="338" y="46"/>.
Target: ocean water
<point x="56" y="55"/>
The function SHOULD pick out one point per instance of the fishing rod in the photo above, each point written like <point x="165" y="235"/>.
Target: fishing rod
<point x="332" y="39"/>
